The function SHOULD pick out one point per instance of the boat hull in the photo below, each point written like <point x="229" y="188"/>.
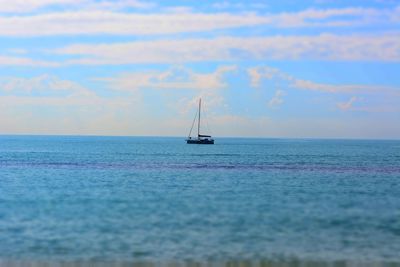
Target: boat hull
<point x="200" y="141"/>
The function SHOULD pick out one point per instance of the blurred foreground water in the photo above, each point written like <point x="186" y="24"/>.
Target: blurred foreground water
<point x="261" y="263"/>
<point x="124" y="201"/>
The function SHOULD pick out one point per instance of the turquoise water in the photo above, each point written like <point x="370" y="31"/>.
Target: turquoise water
<point x="159" y="199"/>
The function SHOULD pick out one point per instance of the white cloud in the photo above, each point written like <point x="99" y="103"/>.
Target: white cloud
<point x="345" y="88"/>
<point x="321" y="47"/>
<point x="258" y="73"/>
<point x="179" y="9"/>
<point x="175" y="78"/>
<point x="116" y="4"/>
<point x="243" y="6"/>
<point x="18" y="51"/>
<point x="255" y="77"/>
<point x="206" y="86"/>
<point x="22" y="6"/>
<point x="277" y="99"/>
<point x="327" y="47"/>
<point x="92" y="18"/>
<point x="117" y="23"/>
<point x="24" y="61"/>
<point x="347" y="105"/>
<point x="27" y="6"/>
<point x="41" y="86"/>
<point x="211" y="100"/>
<point x="335" y="17"/>
<point x="34" y="105"/>
<point x="72" y="115"/>
<point x="46" y="104"/>
<point x="332" y="88"/>
<point x="380" y="98"/>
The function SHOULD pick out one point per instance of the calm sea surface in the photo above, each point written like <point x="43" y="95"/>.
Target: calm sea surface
<point x="159" y="199"/>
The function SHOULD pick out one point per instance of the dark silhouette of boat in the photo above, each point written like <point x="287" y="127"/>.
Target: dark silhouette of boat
<point x="201" y="138"/>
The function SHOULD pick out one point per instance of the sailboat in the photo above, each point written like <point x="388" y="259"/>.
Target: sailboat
<point x="201" y="138"/>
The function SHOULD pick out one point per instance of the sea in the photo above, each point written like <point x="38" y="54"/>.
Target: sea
<point x="155" y="201"/>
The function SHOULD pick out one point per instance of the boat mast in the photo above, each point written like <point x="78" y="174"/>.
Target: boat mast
<point x="198" y="125"/>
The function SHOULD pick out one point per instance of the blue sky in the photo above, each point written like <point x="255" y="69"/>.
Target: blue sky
<point x="315" y="68"/>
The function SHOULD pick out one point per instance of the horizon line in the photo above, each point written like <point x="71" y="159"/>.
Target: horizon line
<point x="222" y="137"/>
